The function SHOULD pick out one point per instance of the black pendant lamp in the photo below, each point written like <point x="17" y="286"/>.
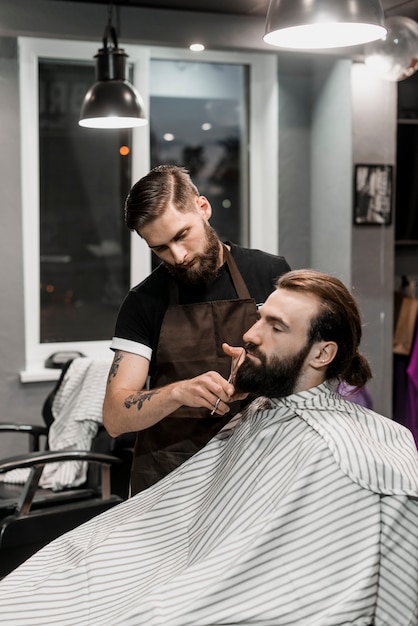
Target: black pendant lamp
<point x="321" y="24"/>
<point x="112" y="101"/>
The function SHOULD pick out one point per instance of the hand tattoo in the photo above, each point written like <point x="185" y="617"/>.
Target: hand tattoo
<point x="139" y="399"/>
<point x="115" y="365"/>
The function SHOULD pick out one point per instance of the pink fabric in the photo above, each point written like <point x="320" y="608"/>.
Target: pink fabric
<point x="360" y="396"/>
<point x="411" y="413"/>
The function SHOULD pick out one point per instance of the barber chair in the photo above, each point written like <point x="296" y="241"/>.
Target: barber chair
<point x="30" y="515"/>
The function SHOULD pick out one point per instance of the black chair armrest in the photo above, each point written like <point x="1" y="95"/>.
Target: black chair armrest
<point x="53" y="456"/>
<point x="35" y="432"/>
<point x="36" y="462"/>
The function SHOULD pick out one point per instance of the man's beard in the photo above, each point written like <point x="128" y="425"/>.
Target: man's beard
<point x="274" y="379"/>
<point x="207" y="262"/>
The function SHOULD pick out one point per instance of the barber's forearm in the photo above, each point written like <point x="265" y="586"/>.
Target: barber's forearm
<point x="127" y="411"/>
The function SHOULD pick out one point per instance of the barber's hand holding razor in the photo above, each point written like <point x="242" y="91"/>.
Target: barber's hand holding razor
<point x="237" y="355"/>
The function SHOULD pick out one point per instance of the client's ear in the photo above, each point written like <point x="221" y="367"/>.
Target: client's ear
<point x="325" y="354"/>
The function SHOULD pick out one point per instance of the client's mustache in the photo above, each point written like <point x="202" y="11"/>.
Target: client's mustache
<point x="252" y="349"/>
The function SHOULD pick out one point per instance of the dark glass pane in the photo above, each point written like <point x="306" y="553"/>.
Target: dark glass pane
<point x="198" y="119"/>
<point x="407" y="183"/>
<point x="408" y="98"/>
<point x="85" y="176"/>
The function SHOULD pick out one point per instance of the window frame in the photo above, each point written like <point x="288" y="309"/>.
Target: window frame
<point x="262" y="149"/>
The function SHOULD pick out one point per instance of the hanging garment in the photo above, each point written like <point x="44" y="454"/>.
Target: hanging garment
<point x="406" y="308"/>
<point x="410" y="419"/>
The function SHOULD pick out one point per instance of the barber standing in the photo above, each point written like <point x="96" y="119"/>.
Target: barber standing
<point x="171" y="327"/>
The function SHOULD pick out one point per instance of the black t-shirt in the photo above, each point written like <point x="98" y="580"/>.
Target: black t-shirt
<point x="141" y="314"/>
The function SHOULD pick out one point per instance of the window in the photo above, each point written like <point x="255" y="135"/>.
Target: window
<point x="198" y="114"/>
<point x="84" y="176"/>
<point x="216" y="115"/>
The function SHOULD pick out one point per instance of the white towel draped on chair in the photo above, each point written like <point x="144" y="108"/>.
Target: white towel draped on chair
<point x="77" y="411"/>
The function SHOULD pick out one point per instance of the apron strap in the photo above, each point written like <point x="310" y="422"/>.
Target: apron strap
<point x="237" y="280"/>
<point x="173" y="291"/>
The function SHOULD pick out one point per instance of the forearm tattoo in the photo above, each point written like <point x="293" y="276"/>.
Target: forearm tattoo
<point x="115" y="366"/>
<point x="138" y="399"/>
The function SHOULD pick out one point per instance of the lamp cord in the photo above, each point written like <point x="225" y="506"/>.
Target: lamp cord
<point x="110" y="30"/>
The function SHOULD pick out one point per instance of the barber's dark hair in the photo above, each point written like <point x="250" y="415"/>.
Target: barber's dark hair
<point x="338" y="320"/>
<point x="149" y="197"/>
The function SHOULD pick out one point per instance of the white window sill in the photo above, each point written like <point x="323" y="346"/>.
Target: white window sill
<point x="39" y="376"/>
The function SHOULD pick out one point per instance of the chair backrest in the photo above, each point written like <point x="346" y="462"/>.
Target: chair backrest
<point x="52" y="513"/>
<point x="36" y="517"/>
<point x="47" y="414"/>
<point x="73" y="412"/>
<point x="121" y="447"/>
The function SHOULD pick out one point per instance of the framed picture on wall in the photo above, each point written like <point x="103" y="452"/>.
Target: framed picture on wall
<point x="373" y="194"/>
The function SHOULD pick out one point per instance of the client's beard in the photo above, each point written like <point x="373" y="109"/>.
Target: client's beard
<point x="274" y="379"/>
<point x="207" y="266"/>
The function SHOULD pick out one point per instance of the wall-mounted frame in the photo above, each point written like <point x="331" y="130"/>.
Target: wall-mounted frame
<point x="373" y="194"/>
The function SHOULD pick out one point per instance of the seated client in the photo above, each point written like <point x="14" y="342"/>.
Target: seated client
<point x="304" y="512"/>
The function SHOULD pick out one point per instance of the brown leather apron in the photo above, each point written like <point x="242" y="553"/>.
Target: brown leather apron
<point x="190" y="344"/>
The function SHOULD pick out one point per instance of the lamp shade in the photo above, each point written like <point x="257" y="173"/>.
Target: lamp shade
<point x="112" y="101"/>
<point x="320" y="24"/>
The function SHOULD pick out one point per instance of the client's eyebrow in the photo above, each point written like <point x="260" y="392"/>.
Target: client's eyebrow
<point x="271" y="319"/>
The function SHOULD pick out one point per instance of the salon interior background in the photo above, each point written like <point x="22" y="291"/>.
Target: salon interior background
<point x="331" y="116"/>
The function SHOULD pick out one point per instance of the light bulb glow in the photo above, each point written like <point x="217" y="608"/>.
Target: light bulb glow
<point x="112" y="122"/>
<point x="196" y="47"/>
<point x="324" y="35"/>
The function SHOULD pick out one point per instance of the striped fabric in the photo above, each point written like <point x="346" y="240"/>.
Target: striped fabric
<point x="77" y="408"/>
<point x="77" y="411"/>
<point x="306" y="514"/>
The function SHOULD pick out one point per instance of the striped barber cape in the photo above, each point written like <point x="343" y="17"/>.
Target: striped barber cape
<point x="306" y="513"/>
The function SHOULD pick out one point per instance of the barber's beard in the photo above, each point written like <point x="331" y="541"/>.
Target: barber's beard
<point x="206" y="264"/>
<point x="274" y="379"/>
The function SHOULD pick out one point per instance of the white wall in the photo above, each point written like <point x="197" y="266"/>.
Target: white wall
<point x="295" y="113"/>
<point x="374" y="104"/>
<point x="332" y="116"/>
<point x="17" y="403"/>
<point x="331" y="170"/>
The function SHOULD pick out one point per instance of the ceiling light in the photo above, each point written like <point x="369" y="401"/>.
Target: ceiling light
<point x="196" y="47"/>
<point x="112" y="101"/>
<point x="320" y="24"/>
